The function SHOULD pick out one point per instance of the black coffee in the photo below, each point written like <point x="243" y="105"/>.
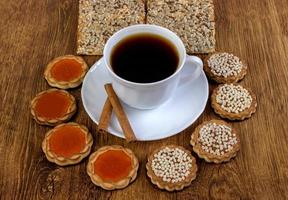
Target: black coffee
<point x="144" y="58"/>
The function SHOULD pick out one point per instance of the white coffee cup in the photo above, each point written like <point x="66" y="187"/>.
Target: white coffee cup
<point x="150" y="95"/>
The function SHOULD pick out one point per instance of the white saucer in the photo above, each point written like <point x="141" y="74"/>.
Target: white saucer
<point x="183" y="108"/>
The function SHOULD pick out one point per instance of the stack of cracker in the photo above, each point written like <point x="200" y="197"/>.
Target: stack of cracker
<point x="191" y="20"/>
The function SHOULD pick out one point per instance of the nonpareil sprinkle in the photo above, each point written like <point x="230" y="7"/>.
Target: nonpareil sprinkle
<point x="233" y="98"/>
<point x="171" y="164"/>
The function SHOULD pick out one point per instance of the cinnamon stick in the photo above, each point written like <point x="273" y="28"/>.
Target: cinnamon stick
<point x="105" y="116"/>
<point x="120" y="114"/>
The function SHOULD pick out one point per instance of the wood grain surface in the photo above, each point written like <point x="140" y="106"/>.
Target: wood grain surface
<point x="34" y="32"/>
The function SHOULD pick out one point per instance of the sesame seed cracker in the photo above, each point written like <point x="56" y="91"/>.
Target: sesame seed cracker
<point x="191" y="20"/>
<point x="99" y="19"/>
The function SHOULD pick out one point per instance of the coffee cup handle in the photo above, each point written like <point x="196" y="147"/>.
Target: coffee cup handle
<point x="192" y="68"/>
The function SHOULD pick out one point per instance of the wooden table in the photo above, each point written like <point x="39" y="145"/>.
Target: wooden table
<point x="34" y="32"/>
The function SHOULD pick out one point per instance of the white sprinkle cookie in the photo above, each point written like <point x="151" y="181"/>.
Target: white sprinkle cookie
<point x="215" y="141"/>
<point x="171" y="167"/>
<point x="233" y="101"/>
<point x="224" y="67"/>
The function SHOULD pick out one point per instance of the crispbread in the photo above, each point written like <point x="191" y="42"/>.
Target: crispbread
<point x="99" y="19"/>
<point x="191" y="20"/>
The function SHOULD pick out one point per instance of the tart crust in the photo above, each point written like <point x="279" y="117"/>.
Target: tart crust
<point x="212" y="157"/>
<point x="65" y="84"/>
<point x="53" y="122"/>
<point x="111" y="185"/>
<point x="247" y="113"/>
<point x="63" y="161"/>
<point x="168" y="185"/>
<point x="222" y="79"/>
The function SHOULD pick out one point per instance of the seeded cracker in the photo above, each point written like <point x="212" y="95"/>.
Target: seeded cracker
<point x="191" y="20"/>
<point x="99" y="19"/>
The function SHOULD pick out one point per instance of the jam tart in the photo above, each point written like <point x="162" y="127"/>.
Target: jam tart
<point x="112" y="167"/>
<point x="66" y="71"/>
<point x="52" y="107"/>
<point x="67" y="144"/>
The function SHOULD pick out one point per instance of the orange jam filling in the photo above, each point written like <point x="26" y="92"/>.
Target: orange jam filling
<point x="113" y="165"/>
<point x="67" y="141"/>
<point x="66" y="70"/>
<point x="52" y="105"/>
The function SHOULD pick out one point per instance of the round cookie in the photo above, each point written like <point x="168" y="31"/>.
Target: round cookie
<point x="66" y="72"/>
<point x="112" y="167"/>
<point x="233" y="101"/>
<point x="224" y="67"/>
<point x="67" y="144"/>
<point x="52" y="107"/>
<point x="171" y="167"/>
<point x="215" y="141"/>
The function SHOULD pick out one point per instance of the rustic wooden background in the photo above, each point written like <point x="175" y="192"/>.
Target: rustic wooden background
<point x="34" y="32"/>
